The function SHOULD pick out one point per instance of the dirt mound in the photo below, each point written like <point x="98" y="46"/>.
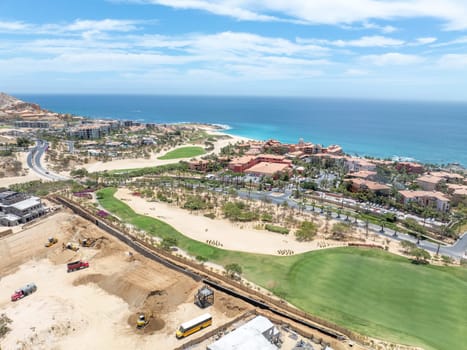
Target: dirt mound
<point x="229" y="306"/>
<point x="117" y="285"/>
<point x="155" y="324"/>
<point x="156" y="304"/>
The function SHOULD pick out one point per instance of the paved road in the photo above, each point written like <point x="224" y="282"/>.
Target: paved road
<point x="34" y="162"/>
<point x="457" y="250"/>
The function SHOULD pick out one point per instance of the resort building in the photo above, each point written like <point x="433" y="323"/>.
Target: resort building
<point x="362" y="174"/>
<point x="258" y="334"/>
<point x="17" y="208"/>
<point x="357" y="164"/>
<point x="458" y="192"/>
<point x="410" y="167"/>
<point x="272" y="158"/>
<point x="448" y="177"/>
<point x="39" y="124"/>
<point x="240" y="164"/>
<point x="200" y="165"/>
<point x="434" y="199"/>
<point x="333" y="149"/>
<point x="95" y="130"/>
<point x="268" y="169"/>
<point x="429" y="182"/>
<point x="324" y="159"/>
<point x="358" y="185"/>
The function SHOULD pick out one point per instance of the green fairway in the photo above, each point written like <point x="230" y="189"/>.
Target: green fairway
<point x="369" y="291"/>
<point x="183" y="152"/>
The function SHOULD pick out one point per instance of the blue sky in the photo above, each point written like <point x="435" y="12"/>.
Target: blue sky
<point x="398" y="49"/>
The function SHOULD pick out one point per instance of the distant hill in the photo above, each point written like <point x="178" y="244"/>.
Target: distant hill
<point x="12" y="108"/>
<point x="8" y="102"/>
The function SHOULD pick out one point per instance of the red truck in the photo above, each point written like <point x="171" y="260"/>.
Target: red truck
<point x="77" y="265"/>
<point x="22" y="292"/>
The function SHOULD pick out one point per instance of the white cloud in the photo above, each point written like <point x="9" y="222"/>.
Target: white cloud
<point x="369" y="41"/>
<point x="453" y="61"/>
<point x="105" y="25"/>
<point x="452" y="12"/>
<point x="457" y="41"/>
<point x="230" y="53"/>
<point x="427" y="40"/>
<point x="79" y="26"/>
<point x="12" y="26"/>
<point x="224" y="8"/>
<point x="356" y="72"/>
<point x="392" y="59"/>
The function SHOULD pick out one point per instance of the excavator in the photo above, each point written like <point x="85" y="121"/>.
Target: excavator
<point x="91" y="242"/>
<point x="87" y="242"/>
<point x="141" y="321"/>
<point x="51" y="241"/>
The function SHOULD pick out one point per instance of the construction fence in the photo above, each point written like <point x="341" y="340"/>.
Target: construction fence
<point x="200" y="273"/>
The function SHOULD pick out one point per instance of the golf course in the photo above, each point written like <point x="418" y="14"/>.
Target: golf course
<point x="368" y="291"/>
<point x="183" y="152"/>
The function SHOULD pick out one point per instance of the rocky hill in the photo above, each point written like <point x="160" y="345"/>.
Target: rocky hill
<point x="13" y="108"/>
<point x="8" y="102"/>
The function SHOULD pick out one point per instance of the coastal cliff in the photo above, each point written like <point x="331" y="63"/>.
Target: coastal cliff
<point x="12" y="108"/>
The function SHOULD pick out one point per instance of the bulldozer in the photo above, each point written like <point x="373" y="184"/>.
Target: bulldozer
<point x="141" y="321"/>
<point x="72" y="246"/>
<point x="51" y="241"/>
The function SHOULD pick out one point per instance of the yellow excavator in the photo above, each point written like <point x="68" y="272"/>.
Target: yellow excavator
<point x="141" y="321"/>
<point x="51" y="241"/>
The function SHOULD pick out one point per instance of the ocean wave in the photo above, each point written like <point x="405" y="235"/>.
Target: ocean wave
<point x="403" y="159"/>
<point x="222" y="126"/>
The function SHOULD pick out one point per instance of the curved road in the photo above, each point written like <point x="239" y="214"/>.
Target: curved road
<point x="457" y="250"/>
<point x="34" y="162"/>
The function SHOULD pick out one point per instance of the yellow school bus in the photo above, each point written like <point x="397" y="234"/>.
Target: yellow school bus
<point x="193" y="326"/>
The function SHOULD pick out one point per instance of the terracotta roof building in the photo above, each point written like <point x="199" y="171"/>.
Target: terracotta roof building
<point x="358" y="185"/>
<point x="268" y="169"/>
<point x="434" y="199"/>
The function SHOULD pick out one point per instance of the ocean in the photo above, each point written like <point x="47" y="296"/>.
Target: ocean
<point x="429" y="132"/>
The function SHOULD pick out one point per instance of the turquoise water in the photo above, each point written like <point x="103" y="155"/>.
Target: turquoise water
<point x="430" y="132"/>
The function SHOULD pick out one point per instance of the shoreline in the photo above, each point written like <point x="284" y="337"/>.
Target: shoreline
<point x="250" y="122"/>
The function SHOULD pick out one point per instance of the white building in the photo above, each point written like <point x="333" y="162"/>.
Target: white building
<point x="17" y="208"/>
<point x="258" y="334"/>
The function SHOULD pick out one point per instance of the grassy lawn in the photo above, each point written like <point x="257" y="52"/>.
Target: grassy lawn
<point x="184" y="152"/>
<point x="369" y="291"/>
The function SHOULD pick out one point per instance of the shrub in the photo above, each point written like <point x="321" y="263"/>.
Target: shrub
<point x="413" y="225"/>
<point x="278" y="229"/>
<point x="168" y="243"/>
<point x="238" y="211"/>
<point x="210" y="215"/>
<point x="195" y="203"/>
<point x="307" y="231"/>
<point x="266" y="217"/>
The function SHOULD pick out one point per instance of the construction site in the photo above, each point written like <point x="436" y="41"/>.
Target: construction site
<point x="120" y="300"/>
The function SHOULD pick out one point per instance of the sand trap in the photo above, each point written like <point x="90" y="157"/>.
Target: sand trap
<point x="229" y="234"/>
